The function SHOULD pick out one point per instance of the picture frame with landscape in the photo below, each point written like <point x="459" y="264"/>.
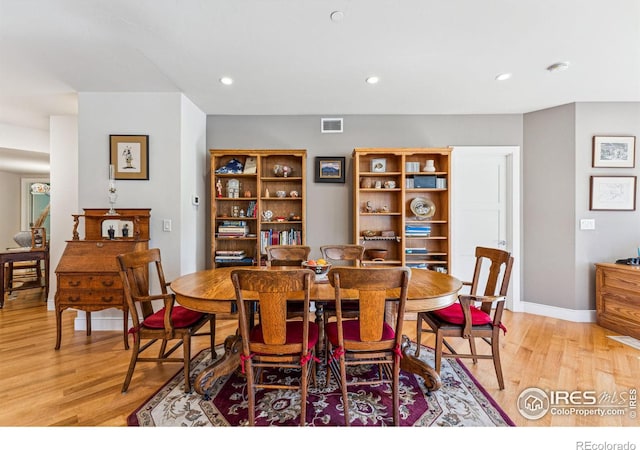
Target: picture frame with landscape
<point x="614" y="151"/>
<point x="330" y="169"/>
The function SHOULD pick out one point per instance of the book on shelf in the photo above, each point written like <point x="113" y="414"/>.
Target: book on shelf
<point x="233" y="223"/>
<point x="246" y="261"/>
<point x="233" y="231"/>
<point x="416" y="251"/>
<point x="230" y="252"/>
<point x="283" y="237"/>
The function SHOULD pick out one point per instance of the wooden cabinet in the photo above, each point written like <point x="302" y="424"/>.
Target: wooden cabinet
<point x="402" y="204"/>
<point x="618" y="298"/>
<point x="87" y="275"/>
<point x="260" y="202"/>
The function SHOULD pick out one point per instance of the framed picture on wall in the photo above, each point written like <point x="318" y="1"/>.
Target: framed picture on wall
<point x="129" y="155"/>
<point x="614" y="151"/>
<point x="329" y="169"/>
<point x="616" y="193"/>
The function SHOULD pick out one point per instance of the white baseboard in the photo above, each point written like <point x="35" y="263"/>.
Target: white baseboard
<point x="572" y="315"/>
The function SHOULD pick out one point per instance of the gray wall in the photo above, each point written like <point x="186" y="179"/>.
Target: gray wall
<point x="548" y="207"/>
<point x="329" y="205"/>
<point x="558" y="257"/>
<point x="617" y="233"/>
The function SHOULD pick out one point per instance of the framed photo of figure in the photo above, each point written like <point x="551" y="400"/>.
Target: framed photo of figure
<point x="129" y="155"/>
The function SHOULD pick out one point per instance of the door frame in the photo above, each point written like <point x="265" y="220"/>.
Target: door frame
<point x="514" y="210"/>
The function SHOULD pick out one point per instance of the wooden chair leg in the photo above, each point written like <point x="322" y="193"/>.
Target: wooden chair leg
<point x="251" y="392"/>
<point x="163" y="348"/>
<point x="345" y="394"/>
<point x="438" y="352"/>
<point x="212" y="327"/>
<point x="472" y="346"/>
<point x="186" y="347"/>
<point x="418" y="334"/>
<point x="495" y="350"/>
<point x="396" y="394"/>
<point x="132" y="364"/>
<point x="303" y="394"/>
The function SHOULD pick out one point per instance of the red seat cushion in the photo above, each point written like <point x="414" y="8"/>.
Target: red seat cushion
<point x="294" y="333"/>
<point x="351" y="331"/>
<point x="181" y="317"/>
<point x="453" y="314"/>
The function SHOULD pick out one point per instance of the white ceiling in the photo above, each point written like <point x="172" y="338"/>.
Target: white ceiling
<point x="288" y="57"/>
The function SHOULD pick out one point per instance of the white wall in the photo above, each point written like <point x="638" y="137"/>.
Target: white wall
<point x="64" y="189"/>
<point x="176" y="138"/>
<point x="193" y="177"/>
<point x="558" y="257"/>
<point x="10" y="207"/>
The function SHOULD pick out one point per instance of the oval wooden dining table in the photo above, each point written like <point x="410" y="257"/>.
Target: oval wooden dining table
<point x="211" y="291"/>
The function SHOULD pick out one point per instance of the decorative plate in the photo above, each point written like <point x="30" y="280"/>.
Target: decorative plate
<point x="267" y="215"/>
<point x="423" y="208"/>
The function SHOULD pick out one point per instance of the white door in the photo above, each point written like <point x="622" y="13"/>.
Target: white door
<point x="485" y="209"/>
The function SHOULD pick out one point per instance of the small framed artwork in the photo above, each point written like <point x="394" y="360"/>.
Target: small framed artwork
<point x="614" y="151"/>
<point x="379" y="165"/>
<point x="617" y="193"/>
<point x="329" y="169"/>
<point x="129" y="155"/>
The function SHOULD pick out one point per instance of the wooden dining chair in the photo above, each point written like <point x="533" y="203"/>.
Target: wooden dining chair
<point x="465" y="320"/>
<point x="343" y="254"/>
<point x="371" y="338"/>
<point x="166" y="324"/>
<point x="275" y="342"/>
<point x="287" y="255"/>
<point x="340" y="255"/>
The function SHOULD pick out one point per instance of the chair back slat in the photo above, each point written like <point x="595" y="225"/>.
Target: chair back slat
<point x="499" y="273"/>
<point x="273" y="316"/>
<point x="372" y="309"/>
<point x="287" y="255"/>
<point x="346" y="254"/>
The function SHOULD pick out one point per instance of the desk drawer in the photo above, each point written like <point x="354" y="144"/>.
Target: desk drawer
<point x="89" y="296"/>
<point x="107" y="281"/>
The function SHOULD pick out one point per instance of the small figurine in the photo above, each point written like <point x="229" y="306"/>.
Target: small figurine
<point x="125" y="230"/>
<point x="369" y="207"/>
<point x="112" y="232"/>
<point x="219" y="188"/>
<point x="247" y="193"/>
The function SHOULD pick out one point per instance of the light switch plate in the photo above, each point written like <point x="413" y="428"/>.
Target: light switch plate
<point x="587" y="224"/>
<point x="166" y="224"/>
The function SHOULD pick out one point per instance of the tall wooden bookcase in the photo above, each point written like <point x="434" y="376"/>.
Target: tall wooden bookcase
<point x="246" y="212"/>
<point x="402" y="206"/>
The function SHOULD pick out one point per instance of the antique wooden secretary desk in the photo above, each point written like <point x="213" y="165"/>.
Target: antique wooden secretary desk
<point x="87" y="275"/>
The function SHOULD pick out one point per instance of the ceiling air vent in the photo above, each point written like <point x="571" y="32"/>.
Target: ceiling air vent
<point x="331" y="125"/>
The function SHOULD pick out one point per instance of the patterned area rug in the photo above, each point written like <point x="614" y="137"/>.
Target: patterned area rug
<point x="461" y="401"/>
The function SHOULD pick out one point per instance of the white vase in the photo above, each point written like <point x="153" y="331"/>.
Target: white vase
<point x="429" y="167"/>
<point x="23" y="238"/>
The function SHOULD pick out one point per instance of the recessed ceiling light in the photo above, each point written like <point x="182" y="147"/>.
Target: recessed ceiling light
<point x="337" y="16"/>
<point x="226" y="81"/>
<point x="558" y="67"/>
<point x="372" y="80"/>
<point x="503" y="76"/>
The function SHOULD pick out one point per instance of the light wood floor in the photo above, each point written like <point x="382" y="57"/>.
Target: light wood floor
<point x="80" y="383"/>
